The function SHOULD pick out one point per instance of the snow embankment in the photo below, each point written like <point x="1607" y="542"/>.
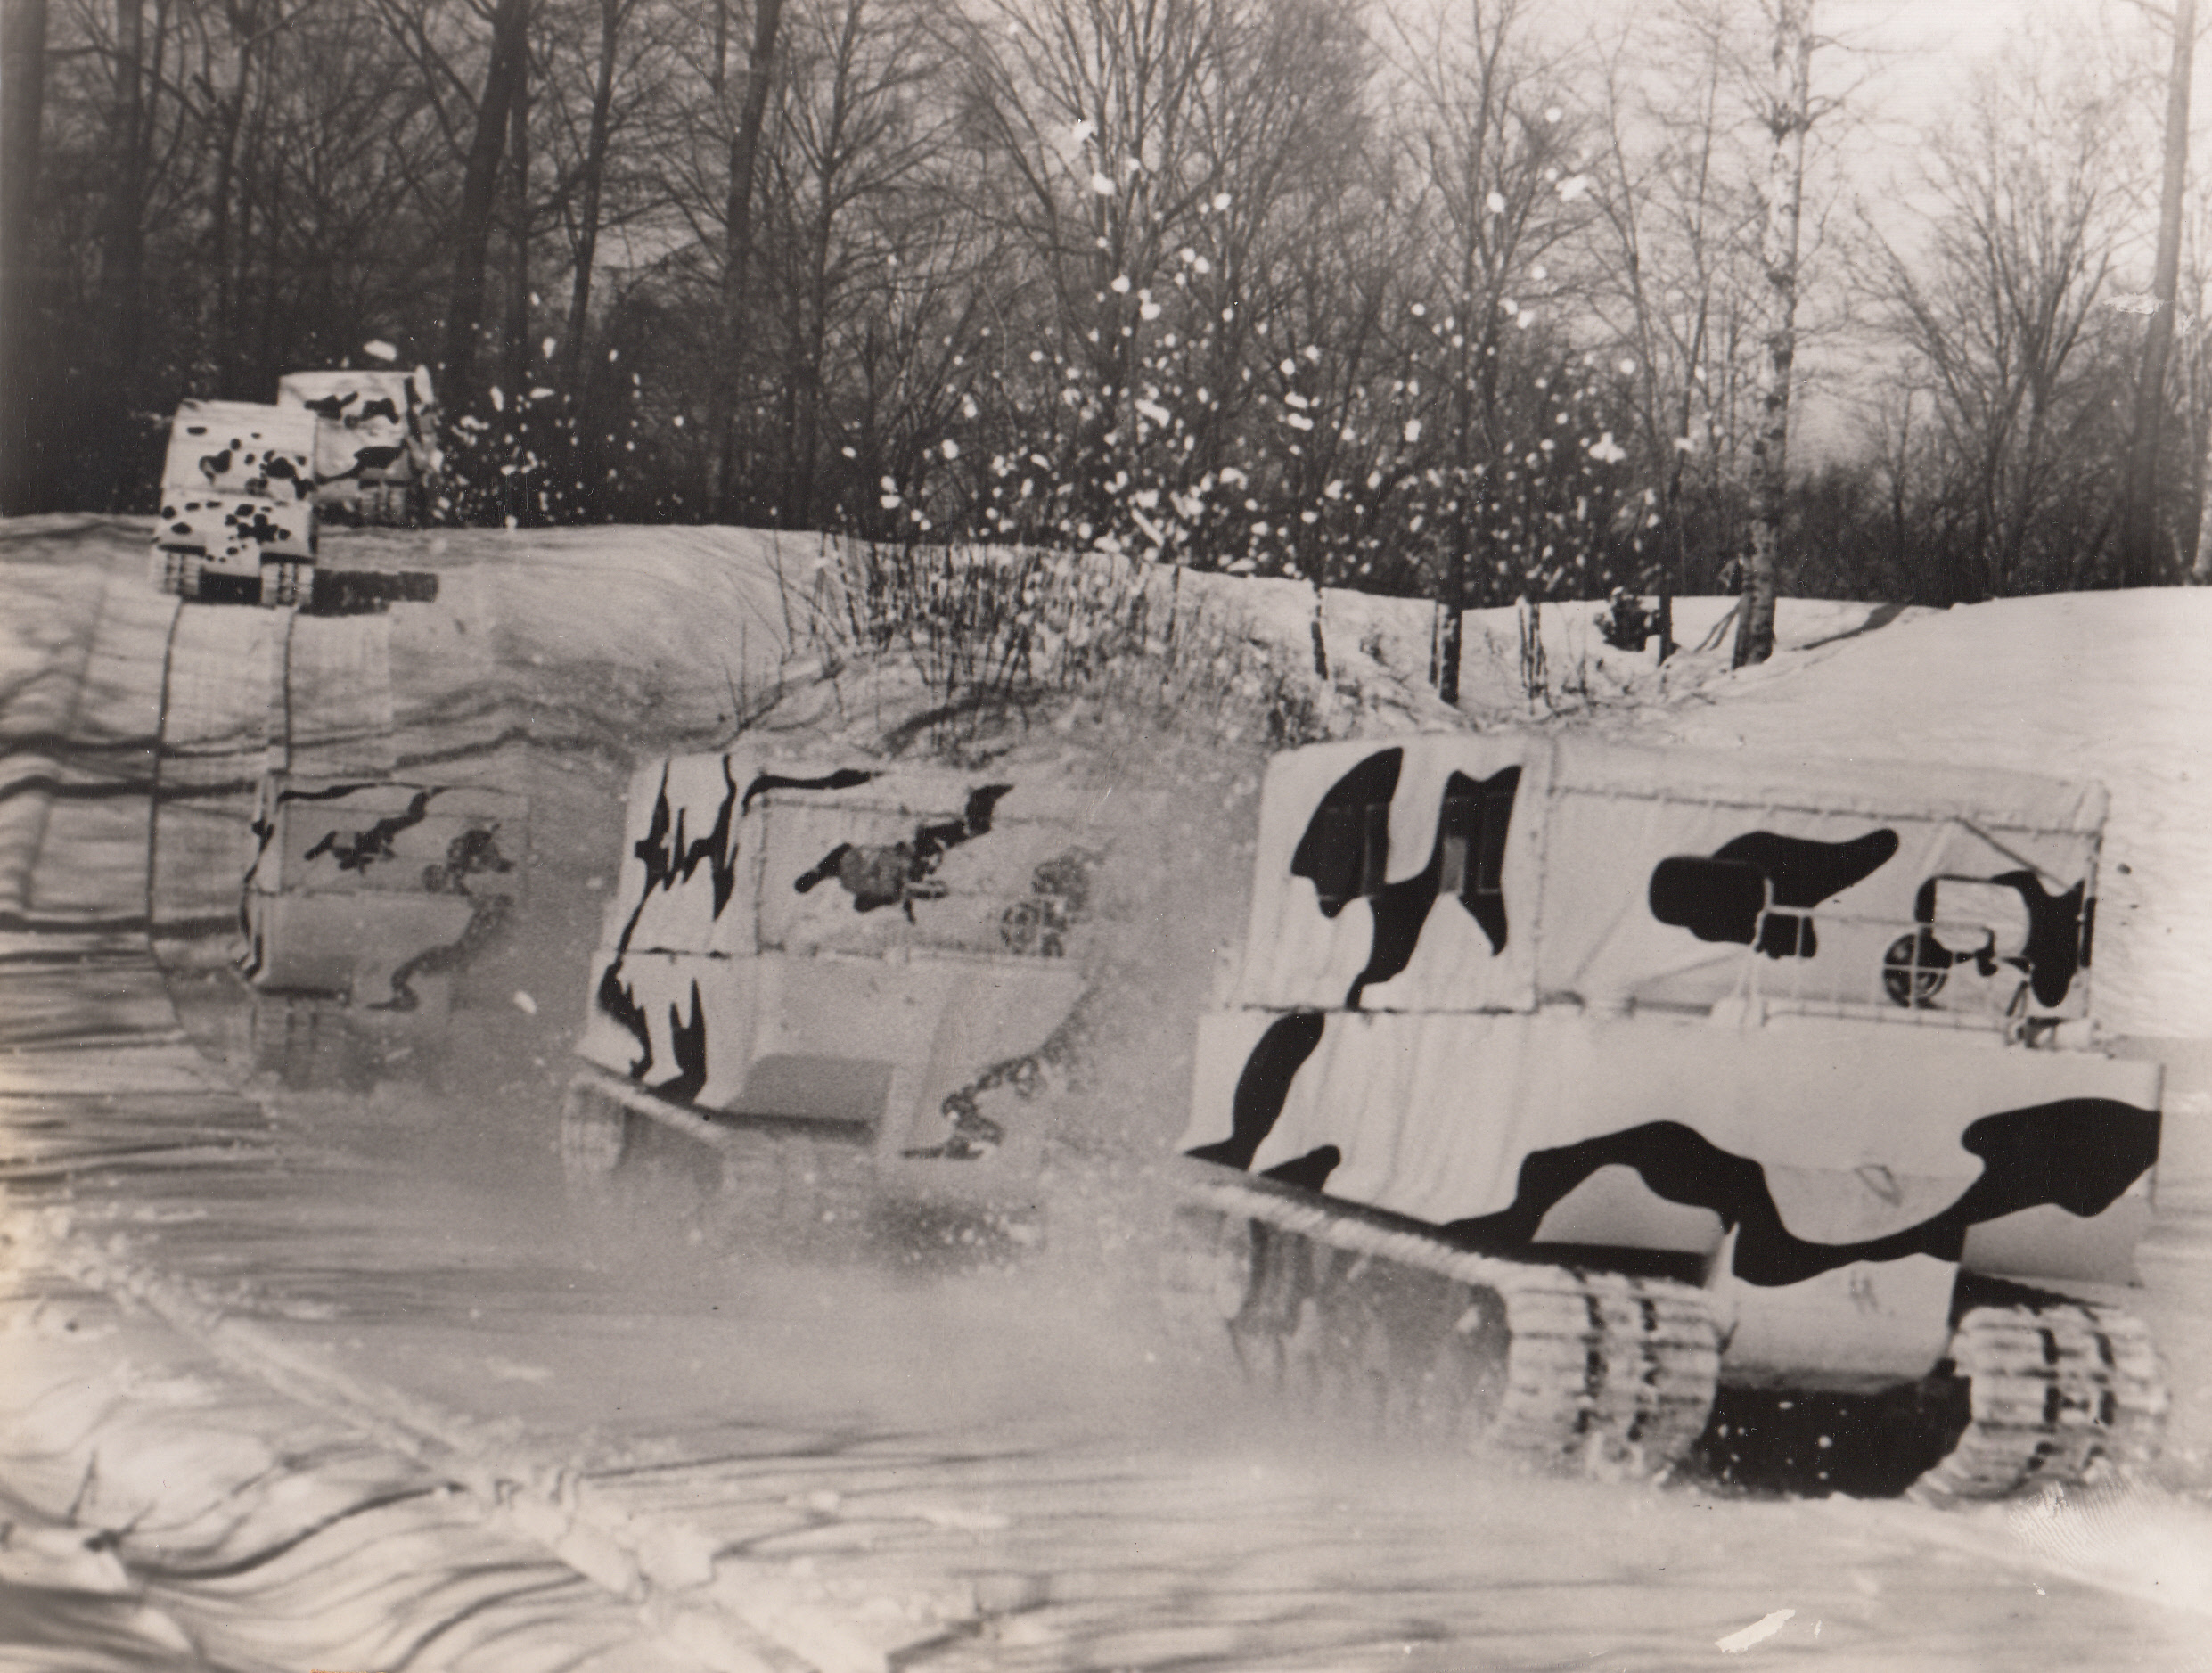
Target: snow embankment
<point x="2113" y="688"/>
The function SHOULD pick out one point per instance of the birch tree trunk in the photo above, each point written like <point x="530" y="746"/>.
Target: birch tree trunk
<point x="1788" y="115"/>
<point x="2200" y="563"/>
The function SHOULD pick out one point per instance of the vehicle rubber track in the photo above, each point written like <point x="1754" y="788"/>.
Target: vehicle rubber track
<point x="2063" y="1393"/>
<point x="1408" y="1335"/>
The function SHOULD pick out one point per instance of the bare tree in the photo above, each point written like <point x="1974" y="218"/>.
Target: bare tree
<point x="1490" y="142"/>
<point x="1996" y="305"/>
<point x="860" y="141"/>
<point x="515" y="325"/>
<point x="235" y="94"/>
<point x="1676" y="280"/>
<point x="505" y="74"/>
<point x="737" y="257"/>
<point x="2194" y="290"/>
<point x="588" y="187"/>
<point x="1093" y="106"/>
<point x="123" y="234"/>
<point x="1154" y="152"/>
<point x="2145" y="556"/>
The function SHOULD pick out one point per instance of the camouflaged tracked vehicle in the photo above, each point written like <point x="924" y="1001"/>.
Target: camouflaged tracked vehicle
<point x="1558" y="1084"/>
<point x="376" y="456"/>
<point x="237" y="523"/>
<point x="847" y="981"/>
<point x="375" y="892"/>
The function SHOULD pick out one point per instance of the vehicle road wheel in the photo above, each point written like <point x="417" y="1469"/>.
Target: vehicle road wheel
<point x="595" y="1131"/>
<point x="281" y="584"/>
<point x="180" y="572"/>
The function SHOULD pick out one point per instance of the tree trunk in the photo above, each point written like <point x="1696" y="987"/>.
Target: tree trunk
<point x="810" y="348"/>
<point x="611" y="13"/>
<point x="22" y="98"/>
<point x="2201" y="571"/>
<point x="228" y="271"/>
<point x="2145" y="560"/>
<point x="1787" y="118"/>
<point x="1474" y="400"/>
<point x="523" y="489"/>
<point x="122" y="243"/>
<point x="515" y="328"/>
<point x="744" y="148"/>
<point x="806" y="379"/>
<point x="479" y="190"/>
<point x="267" y="339"/>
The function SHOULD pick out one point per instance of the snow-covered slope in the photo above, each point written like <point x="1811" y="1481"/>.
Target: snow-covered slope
<point x="2115" y="688"/>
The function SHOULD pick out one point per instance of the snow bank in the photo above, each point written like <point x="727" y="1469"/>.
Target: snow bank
<point x="2114" y="687"/>
<point x="704" y="598"/>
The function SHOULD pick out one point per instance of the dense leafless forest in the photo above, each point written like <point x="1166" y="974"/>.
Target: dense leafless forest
<point x="1369" y="294"/>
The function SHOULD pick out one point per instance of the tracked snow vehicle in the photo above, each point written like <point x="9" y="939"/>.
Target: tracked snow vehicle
<point x="847" y="981"/>
<point x="376" y="456"/>
<point x="1559" y="1084"/>
<point x="234" y="549"/>
<point x="375" y="891"/>
<point x="237" y="522"/>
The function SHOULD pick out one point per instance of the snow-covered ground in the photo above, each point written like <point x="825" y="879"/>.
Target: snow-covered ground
<point x="872" y="1446"/>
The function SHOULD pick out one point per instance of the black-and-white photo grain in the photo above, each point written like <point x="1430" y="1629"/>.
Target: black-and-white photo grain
<point x="1105" y="836"/>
